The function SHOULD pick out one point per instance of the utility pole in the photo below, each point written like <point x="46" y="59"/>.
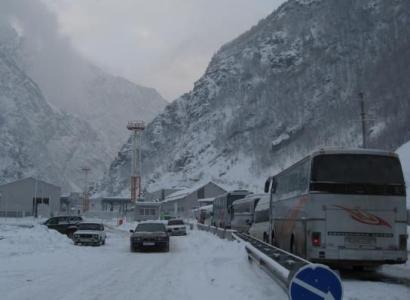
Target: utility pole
<point x="86" y="201"/>
<point x="363" y="118"/>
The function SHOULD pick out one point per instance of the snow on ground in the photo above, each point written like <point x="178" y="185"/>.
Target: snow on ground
<point x="198" y="266"/>
<point x="37" y="263"/>
<point x="358" y="290"/>
<point x="17" y="240"/>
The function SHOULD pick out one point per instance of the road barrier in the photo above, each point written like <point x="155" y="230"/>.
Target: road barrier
<point x="220" y="232"/>
<point x="275" y="261"/>
<point x="297" y="276"/>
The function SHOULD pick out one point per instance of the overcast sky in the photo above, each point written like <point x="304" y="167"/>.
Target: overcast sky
<point x="165" y="44"/>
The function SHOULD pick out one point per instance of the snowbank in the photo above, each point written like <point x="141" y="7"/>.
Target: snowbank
<point x="20" y="239"/>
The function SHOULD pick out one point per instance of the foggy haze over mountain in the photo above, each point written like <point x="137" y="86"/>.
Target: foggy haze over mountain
<point x="162" y="44"/>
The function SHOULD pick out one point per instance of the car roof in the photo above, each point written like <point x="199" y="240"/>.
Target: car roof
<point x="151" y="222"/>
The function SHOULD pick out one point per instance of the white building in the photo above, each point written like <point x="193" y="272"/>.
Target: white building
<point x="29" y="197"/>
<point x="181" y="203"/>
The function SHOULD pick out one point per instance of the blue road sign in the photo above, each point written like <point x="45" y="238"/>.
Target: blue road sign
<point x="315" y="282"/>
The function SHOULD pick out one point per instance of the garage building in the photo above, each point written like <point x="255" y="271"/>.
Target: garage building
<point x="29" y="197"/>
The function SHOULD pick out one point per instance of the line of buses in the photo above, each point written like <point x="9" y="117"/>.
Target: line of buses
<point x="338" y="207"/>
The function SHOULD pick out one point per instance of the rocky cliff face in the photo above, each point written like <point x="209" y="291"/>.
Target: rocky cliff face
<point x="284" y="88"/>
<point x="58" y="111"/>
<point x="75" y="85"/>
<point x="38" y="140"/>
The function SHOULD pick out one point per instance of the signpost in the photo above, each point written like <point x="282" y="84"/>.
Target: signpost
<point x="315" y="282"/>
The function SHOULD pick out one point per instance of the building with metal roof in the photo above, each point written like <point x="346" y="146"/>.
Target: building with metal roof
<point x="181" y="203"/>
<point x="29" y="197"/>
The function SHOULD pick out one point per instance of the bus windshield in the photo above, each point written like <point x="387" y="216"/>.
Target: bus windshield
<point x="354" y="173"/>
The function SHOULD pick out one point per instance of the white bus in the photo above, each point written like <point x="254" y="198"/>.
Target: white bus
<point x="203" y="214"/>
<point x="339" y="207"/>
<point x="222" y="215"/>
<point x="242" y="212"/>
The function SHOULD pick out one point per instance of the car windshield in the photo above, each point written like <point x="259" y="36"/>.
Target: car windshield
<point x="150" y="227"/>
<point x="89" y="226"/>
<point x="175" y="222"/>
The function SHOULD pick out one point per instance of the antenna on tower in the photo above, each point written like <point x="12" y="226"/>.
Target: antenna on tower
<point x="363" y="119"/>
<point x="137" y="127"/>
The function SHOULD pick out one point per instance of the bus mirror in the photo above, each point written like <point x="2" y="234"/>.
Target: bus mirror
<point x="267" y="184"/>
<point x="274" y="183"/>
<point x="270" y="185"/>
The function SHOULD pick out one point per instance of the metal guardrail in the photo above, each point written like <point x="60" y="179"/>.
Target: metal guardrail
<point x="220" y="232"/>
<point x="284" y="267"/>
<point x="278" y="263"/>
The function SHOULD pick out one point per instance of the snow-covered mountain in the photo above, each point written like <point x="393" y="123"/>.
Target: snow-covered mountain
<point x="80" y="111"/>
<point x="71" y="82"/>
<point x="35" y="138"/>
<point x="284" y="88"/>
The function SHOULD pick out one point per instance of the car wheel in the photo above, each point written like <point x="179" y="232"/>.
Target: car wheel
<point x="103" y="242"/>
<point x="133" y="248"/>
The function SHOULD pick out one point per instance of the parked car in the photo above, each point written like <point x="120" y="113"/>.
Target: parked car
<point x="64" y="224"/>
<point x="149" y="235"/>
<point x="90" y="234"/>
<point x="176" y="227"/>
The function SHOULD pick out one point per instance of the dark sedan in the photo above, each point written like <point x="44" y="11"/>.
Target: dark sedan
<point x="64" y="224"/>
<point x="149" y="235"/>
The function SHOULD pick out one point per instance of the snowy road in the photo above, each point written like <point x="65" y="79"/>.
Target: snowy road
<point x="36" y="263"/>
<point x="198" y="266"/>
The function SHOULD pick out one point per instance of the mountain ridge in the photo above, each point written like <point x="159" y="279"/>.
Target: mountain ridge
<point x="284" y="88"/>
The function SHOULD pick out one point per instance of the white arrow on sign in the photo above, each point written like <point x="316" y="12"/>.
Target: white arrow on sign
<point x="312" y="289"/>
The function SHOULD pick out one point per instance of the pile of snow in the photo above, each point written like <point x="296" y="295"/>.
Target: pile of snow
<point x="20" y="239"/>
